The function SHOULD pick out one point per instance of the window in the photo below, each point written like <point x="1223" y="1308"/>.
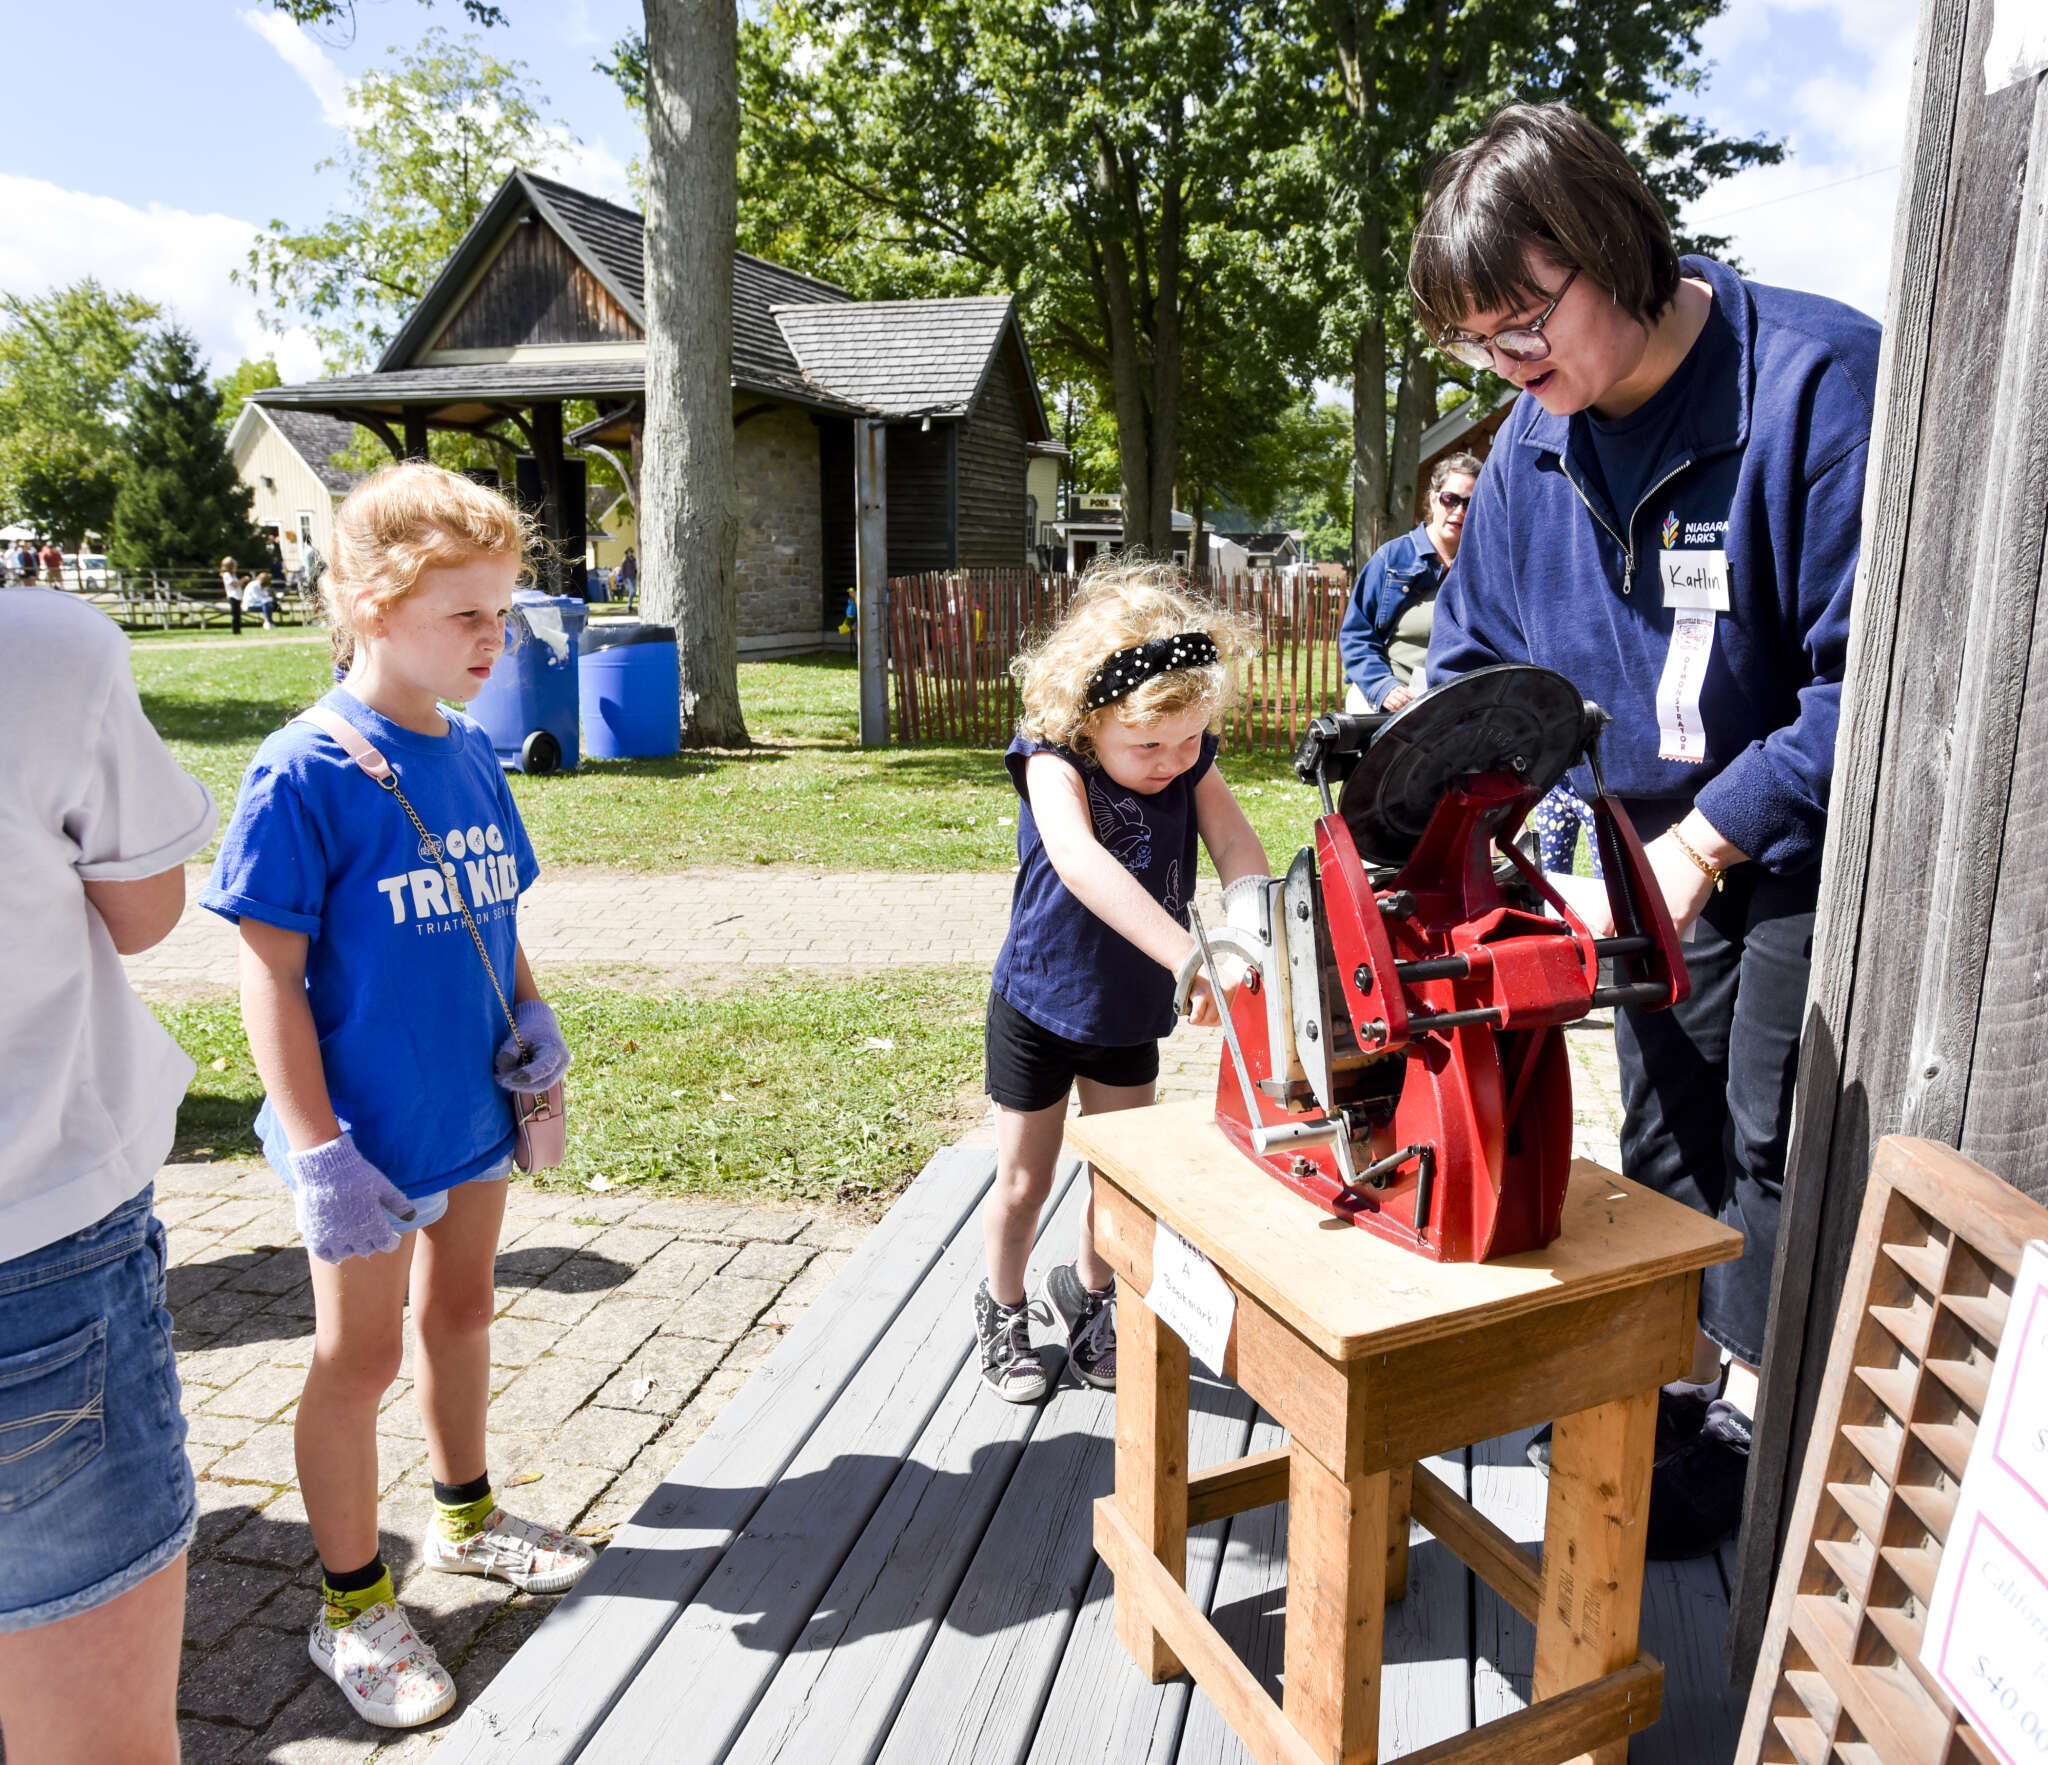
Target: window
<point x="305" y="527"/>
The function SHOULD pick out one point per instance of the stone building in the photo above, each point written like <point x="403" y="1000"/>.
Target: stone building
<point x="542" y="303"/>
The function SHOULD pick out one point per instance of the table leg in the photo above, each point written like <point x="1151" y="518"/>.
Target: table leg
<point x="1336" y="1607"/>
<point x="1151" y="1463"/>
<point x="1594" y="1532"/>
<point x="1400" y="1488"/>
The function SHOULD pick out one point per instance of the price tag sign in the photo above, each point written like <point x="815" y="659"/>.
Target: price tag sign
<point x="1189" y="1297"/>
<point x="1987" y="1628"/>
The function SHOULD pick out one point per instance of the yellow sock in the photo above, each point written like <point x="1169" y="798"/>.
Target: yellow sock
<point x="346" y="1605"/>
<point x="455" y="1521"/>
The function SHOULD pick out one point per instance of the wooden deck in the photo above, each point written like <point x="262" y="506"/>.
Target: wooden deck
<point x="867" y="1558"/>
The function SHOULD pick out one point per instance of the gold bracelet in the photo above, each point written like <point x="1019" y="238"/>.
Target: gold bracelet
<point x="1714" y="873"/>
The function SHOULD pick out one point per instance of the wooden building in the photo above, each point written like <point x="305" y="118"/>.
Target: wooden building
<point x="286" y="457"/>
<point x="1925" y="1014"/>
<point x="542" y="304"/>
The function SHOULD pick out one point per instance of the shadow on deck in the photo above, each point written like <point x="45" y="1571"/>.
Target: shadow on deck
<point x="867" y="1558"/>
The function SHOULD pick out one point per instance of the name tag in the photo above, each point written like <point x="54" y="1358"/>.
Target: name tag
<point x="1696" y="580"/>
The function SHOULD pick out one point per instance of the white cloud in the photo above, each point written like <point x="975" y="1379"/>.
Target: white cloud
<point x="309" y="61"/>
<point x="171" y="256"/>
<point x="1823" y="219"/>
<point x="589" y="165"/>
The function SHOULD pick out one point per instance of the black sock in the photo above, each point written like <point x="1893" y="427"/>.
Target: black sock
<point x="355" y="1580"/>
<point x="456" y="1495"/>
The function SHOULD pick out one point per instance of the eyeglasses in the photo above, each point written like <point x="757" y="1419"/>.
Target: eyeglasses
<point x="1519" y="343"/>
<point x="1452" y="501"/>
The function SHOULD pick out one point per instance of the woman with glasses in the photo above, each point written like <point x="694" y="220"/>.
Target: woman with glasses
<point x="1670" y="518"/>
<point x="1384" y="636"/>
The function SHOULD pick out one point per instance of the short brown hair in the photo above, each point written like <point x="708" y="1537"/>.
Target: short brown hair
<point x="1541" y="175"/>
<point x="1471" y="465"/>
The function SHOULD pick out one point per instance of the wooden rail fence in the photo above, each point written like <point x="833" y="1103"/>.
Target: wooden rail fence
<point x="953" y="634"/>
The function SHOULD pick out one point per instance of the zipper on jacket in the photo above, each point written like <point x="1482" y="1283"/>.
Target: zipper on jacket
<point x="1628" y="550"/>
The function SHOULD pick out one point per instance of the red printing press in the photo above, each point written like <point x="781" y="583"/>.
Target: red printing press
<point x="1396" y="1052"/>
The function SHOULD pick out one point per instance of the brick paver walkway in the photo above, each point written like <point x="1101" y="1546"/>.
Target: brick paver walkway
<point x="623" y="1324"/>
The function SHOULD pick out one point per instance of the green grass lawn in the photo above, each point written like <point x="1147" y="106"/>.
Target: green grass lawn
<point x="806" y="793"/>
<point x="795" y="1087"/>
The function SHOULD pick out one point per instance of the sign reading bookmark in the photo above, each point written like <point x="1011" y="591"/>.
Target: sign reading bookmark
<point x="1189" y="1297"/>
<point x="1987" y="1625"/>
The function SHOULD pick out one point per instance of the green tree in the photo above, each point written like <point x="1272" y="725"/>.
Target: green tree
<point x="65" y="361"/>
<point x="250" y="374"/>
<point x="432" y="136"/>
<point x="181" y="503"/>
<point x="1384" y="89"/>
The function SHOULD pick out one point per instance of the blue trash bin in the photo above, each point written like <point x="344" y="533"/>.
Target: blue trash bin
<point x="629" y="679"/>
<point x="528" y="706"/>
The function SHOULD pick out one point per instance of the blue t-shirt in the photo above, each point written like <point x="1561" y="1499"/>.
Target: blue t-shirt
<point x="1060" y="965"/>
<point x="1630" y="455"/>
<point x="407" y="1020"/>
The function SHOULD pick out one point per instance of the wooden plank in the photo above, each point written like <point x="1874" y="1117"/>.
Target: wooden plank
<point x="708" y="1670"/>
<point x="836" y="1693"/>
<point x="977" y="1697"/>
<point x="1595" y="1530"/>
<point x="1101" y="1708"/>
<point x="1255" y="1481"/>
<point x="1608" y="1710"/>
<point x="588" y="1648"/>
<point x="1151" y="1463"/>
<point x="1336" y="1608"/>
<point x="1511" y="1493"/>
<point x="1351" y="1294"/>
<point x="1512" y="1573"/>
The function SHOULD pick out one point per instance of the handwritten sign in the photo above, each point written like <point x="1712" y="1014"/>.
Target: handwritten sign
<point x="1987" y="1627"/>
<point x="1190" y="1298"/>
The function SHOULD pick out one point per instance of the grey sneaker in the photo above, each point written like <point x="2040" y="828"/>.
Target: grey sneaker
<point x="1089" y="1320"/>
<point x="1010" y="1366"/>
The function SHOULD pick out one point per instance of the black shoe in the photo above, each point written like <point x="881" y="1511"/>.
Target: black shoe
<point x="1681" y="1409"/>
<point x="1089" y="1320"/>
<point x="1696" y="1492"/>
<point x="1010" y="1366"/>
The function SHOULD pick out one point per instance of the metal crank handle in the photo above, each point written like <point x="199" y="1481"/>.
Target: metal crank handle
<point x="1250" y="950"/>
<point x="1315" y="1133"/>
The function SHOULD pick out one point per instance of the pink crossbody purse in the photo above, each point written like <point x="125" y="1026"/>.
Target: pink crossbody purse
<point x="540" y="1122"/>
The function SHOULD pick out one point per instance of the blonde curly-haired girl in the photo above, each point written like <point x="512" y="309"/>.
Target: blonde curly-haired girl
<point x="1115" y="760"/>
<point x="378" y="1030"/>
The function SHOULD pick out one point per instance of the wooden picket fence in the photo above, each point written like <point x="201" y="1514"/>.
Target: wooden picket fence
<point x="953" y="634"/>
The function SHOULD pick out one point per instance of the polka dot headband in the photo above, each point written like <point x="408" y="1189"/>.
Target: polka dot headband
<point x="1128" y="670"/>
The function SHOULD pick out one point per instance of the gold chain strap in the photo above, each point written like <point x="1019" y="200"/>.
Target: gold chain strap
<point x="430" y="844"/>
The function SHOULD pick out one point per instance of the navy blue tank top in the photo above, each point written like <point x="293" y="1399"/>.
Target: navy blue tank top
<point x="1060" y="965"/>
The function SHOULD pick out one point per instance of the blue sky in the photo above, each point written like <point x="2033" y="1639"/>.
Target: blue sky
<point x="157" y="137"/>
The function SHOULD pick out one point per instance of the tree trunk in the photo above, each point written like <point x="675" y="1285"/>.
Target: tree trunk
<point x="1166" y="361"/>
<point x="1198" y="541"/>
<point x="1414" y="410"/>
<point x="1368" y="441"/>
<point x="689" y="513"/>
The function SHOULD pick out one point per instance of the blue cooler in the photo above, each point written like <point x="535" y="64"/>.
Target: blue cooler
<point x="528" y="706"/>
<point x="630" y="679"/>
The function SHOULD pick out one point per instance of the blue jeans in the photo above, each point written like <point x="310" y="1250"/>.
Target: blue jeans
<point x="95" y="1490"/>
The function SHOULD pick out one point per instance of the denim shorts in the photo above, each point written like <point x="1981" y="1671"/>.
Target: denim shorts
<point x="95" y="1490"/>
<point x="428" y="1209"/>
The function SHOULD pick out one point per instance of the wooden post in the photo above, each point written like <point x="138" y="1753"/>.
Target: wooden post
<point x="547" y="460"/>
<point x="1151" y="1464"/>
<point x="1336" y="1606"/>
<point x="871" y="576"/>
<point x="415" y="434"/>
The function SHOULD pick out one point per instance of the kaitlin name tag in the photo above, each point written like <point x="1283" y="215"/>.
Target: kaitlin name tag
<point x="1695" y="580"/>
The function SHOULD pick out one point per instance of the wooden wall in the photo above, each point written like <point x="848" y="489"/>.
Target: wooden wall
<point x="1926" y="1014"/>
<point x="993" y="464"/>
<point x="921" y="498"/>
<point x="535" y="291"/>
<point x="835" y="489"/>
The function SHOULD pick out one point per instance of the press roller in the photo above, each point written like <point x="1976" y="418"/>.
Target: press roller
<point x="1395" y="1051"/>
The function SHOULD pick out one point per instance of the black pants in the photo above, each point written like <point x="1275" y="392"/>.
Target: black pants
<point x="1707" y="1087"/>
<point x="234" y="618"/>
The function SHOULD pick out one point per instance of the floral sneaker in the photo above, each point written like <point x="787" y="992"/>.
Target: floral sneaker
<point x="388" y="1675"/>
<point x="534" y="1558"/>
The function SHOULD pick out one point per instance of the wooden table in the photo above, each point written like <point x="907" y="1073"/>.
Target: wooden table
<point x="1373" y="1358"/>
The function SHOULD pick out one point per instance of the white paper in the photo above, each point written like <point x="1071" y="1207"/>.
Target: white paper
<point x="1189" y="1297"/>
<point x="1678" y="692"/>
<point x="1695" y="579"/>
<point x="2019" y="43"/>
<point x="1987" y="1626"/>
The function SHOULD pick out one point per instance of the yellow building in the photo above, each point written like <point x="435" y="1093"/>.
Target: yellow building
<point x="286" y="458"/>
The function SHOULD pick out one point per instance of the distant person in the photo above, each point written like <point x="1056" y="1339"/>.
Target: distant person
<point x="629" y="577"/>
<point x="376" y="995"/>
<point x="273" y="550"/>
<point x="258" y="597"/>
<point x="97" y="1504"/>
<point x="1115" y="762"/>
<point x="52" y="560"/>
<point x="1384" y="635"/>
<point x="231" y="587"/>
<point x="25" y="564"/>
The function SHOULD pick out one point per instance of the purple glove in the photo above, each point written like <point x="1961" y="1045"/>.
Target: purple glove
<point x="547" y="1055"/>
<point x="346" y="1203"/>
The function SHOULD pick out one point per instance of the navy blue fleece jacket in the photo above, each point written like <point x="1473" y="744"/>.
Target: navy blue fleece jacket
<point x="1768" y="466"/>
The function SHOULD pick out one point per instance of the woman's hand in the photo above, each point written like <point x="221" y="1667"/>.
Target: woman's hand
<point x="1687" y="888"/>
<point x="1397" y="696"/>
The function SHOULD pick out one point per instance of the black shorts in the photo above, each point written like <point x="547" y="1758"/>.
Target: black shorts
<point x="1029" y="1067"/>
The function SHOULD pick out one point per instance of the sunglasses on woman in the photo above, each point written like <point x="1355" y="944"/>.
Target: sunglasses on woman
<point x="1519" y="343"/>
<point x="1452" y="501"/>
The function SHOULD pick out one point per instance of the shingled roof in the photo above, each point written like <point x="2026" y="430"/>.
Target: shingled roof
<point x="316" y="440"/>
<point x="899" y="358"/>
